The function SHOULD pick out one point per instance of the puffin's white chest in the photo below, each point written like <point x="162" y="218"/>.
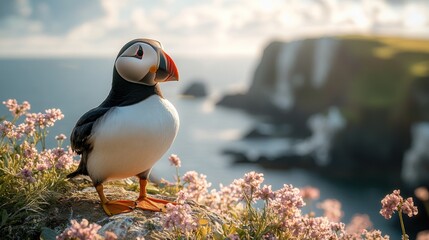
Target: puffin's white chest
<point x="129" y="140"/>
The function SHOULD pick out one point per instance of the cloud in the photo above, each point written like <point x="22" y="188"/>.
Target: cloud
<point x="191" y="27"/>
<point x="50" y="16"/>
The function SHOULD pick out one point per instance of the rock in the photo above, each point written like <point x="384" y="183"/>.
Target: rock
<point x="85" y="204"/>
<point x="380" y="85"/>
<point x="196" y="89"/>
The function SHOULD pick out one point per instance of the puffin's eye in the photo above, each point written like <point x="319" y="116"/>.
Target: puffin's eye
<point x="139" y="53"/>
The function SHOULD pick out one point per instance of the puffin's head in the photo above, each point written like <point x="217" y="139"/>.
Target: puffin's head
<point x="144" y="61"/>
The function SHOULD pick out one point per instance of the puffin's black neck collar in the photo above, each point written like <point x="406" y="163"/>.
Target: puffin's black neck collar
<point x="124" y="93"/>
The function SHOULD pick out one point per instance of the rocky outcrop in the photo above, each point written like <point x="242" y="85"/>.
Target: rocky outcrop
<point x="196" y="89"/>
<point x="85" y="204"/>
<point x="380" y="86"/>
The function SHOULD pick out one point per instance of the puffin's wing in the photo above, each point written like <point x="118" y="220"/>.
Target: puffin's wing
<point x="82" y="131"/>
<point x="80" y="137"/>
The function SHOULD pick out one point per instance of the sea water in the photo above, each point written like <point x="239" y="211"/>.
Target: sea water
<point x="77" y="85"/>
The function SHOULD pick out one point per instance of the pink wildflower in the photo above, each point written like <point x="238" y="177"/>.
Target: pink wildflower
<point x="310" y="193"/>
<point x="287" y="203"/>
<point x="358" y="223"/>
<point x="394" y="202"/>
<point x="422" y="193"/>
<point x="182" y="196"/>
<point x="42" y="166"/>
<point x="320" y="228"/>
<point x="332" y="209"/>
<point x="374" y="234"/>
<point x="245" y="188"/>
<point x="58" y="152"/>
<point x="44" y="120"/>
<point x="31" y="119"/>
<point x="41" y="120"/>
<point x="265" y="193"/>
<point x="16" y="109"/>
<point x="223" y="200"/>
<point x="52" y="115"/>
<point x="196" y="185"/>
<point x="63" y="158"/>
<point x="29" y="151"/>
<point x="179" y="217"/>
<point x="61" y="137"/>
<point x="47" y="157"/>
<point x="64" y="162"/>
<point x="7" y="129"/>
<point x="174" y="160"/>
<point x="409" y="208"/>
<point x="27" y="175"/>
<point x="26" y="129"/>
<point x="83" y="230"/>
<point x="253" y="179"/>
<point x="390" y="204"/>
<point x="339" y="228"/>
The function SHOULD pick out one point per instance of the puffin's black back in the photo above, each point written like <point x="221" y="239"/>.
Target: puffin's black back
<point x="122" y="93"/>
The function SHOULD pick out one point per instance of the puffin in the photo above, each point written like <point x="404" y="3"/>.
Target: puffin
<point x="132" y="128"/>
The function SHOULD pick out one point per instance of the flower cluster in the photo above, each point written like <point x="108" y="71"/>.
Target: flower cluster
<point x="84" y="231"/>
<point x="247" y="187"/>
<point x="265" y="193"/>
<point x="358" y="223"/>
<point x="24" y="137"/>
<point x="15" y="108"/>
<point x="38" y="164"/>
<point x="179" y="218"/>
<point x="394" y="202"/>
<point x="174" y="160"/>
<point x="287" y="203"/>
<point x="32" y="122"/>
<point x="332" y="209"/>
<point x="196" y="185"/>
<point x="309" y="193"/>
<point x="280" y="217"/>
<point x="282" y="214"/>
<point x="30" y="171"/>
<point x="240" y="216"/>
<point x="315" y="228"/>
<point x="367" y="235"/>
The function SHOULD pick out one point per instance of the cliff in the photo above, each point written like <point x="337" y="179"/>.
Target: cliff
<point x="380" y="85"/>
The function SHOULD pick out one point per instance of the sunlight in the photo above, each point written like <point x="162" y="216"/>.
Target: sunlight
<point x="415" y="18"/>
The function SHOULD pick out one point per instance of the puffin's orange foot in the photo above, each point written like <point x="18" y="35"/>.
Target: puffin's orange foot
<point x="118" y="206"/>
<point x="152" y="204"/>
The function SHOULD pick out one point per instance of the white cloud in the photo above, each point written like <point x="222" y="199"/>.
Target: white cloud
<point x="221" y="27"/>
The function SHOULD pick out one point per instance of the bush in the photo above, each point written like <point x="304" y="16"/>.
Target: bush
<point x="30" y="174"/>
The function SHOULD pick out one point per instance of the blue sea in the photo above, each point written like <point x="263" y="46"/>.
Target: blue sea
<point x="77" y="85"/>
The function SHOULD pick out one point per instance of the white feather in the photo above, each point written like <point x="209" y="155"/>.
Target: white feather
<point x="130" y="140"/>
<point x="134" y="69"/>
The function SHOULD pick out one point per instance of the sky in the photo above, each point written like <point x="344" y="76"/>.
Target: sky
<point x="97" y="28"/>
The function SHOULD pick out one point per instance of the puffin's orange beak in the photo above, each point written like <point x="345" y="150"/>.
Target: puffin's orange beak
<point x="167" y="70"/>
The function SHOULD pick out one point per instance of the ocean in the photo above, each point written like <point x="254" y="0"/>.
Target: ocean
<point x="77" y="85"/>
